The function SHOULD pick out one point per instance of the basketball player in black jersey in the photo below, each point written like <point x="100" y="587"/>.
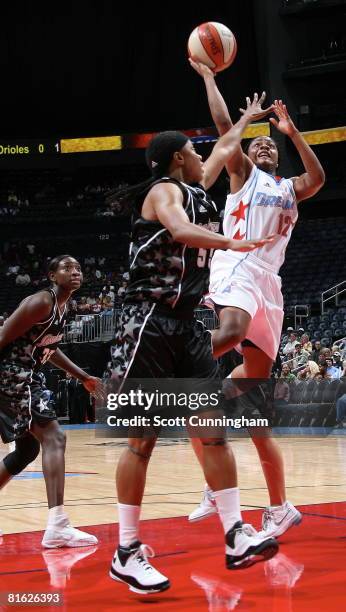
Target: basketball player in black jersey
<point x="159" y="337"/>
<point x="28" y="339"/>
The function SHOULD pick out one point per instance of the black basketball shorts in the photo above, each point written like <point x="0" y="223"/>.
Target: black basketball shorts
<point x="152" y="344"/>
<point x="23" y="399"/>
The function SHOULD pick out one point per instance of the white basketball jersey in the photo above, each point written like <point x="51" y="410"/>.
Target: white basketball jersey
<point x="265" y="205"/>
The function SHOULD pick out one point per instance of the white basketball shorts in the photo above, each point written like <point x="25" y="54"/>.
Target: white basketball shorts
<point x="244" y="281"/>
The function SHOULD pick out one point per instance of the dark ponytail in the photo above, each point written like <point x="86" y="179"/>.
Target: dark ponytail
<point x="158" y="155"/>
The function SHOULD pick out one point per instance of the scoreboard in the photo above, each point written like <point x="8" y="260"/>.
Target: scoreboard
<point x="26" y="147"/>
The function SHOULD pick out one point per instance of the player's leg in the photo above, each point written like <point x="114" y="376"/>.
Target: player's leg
<point x="243" y="545"/>
<point x="26" y="450"/>
<point x="234" y="323"/>
<point x="59" y="532"/>
<point x="145" y="352"/>
<point x="281" y="514"/>
<point x="130" y="563"/>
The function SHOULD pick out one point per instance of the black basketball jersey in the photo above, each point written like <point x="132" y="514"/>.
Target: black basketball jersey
<point x="39" y="343"/>
<point x="165" y="271"/>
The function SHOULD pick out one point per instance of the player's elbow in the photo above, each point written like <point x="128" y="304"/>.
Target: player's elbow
<point x="179" y="232"/>
<point x="321" y="178"/>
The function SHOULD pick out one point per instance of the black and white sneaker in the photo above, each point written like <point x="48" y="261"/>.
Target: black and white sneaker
<point x="244" y="546"/>
<point x="130" y="565"/>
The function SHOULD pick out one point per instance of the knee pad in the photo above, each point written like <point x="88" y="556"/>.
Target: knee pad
<point x="26" y="451"/>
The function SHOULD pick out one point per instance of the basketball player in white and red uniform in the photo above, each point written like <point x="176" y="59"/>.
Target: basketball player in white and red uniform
<point x="246" y="288"/>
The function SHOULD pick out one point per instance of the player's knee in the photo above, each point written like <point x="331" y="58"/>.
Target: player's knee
<point x="142" y="447"/>
<point x="213" y="442"/>
<point x="26" y="451"/>
<point x="231" y="332"/>
<point x="54" y="440"/>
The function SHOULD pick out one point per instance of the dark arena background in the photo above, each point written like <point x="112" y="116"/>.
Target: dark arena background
<point x="84" y="87"/>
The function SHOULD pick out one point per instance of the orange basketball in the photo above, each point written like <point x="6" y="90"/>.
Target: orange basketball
<point x="212" y="44"/>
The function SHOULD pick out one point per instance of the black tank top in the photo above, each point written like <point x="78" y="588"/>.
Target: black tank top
<point x="168" y="272"/>
<point x="38" y="344"/>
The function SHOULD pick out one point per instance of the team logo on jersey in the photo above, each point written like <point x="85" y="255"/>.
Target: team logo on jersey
<point x="50" y="339"/>
<point x="274" y="201"/>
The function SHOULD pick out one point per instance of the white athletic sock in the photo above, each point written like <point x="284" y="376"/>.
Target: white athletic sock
<point x="128" y="523"/>
<point x="228" y="505"/>
<point x="57" y="517"/>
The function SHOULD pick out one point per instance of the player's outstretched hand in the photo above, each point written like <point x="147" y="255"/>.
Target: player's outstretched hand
<point x="201" y="69"/>
<point x="284" y="124"/>
<point x="254" y="110"/>
<point x="95" y="387"/>
<point x="250" y="245"/>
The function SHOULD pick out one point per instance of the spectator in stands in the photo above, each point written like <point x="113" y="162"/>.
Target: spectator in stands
<point x="331" y="371"/>
<point x="341" y="399"/>
<point x="122" y="289"/>
<point x="337" y="361"/>
<point x="12" y="269"/>
<point x="98" y="274"/>
<point x="92" y="299"/>
<point x="310" y="371"/>
<point x="23" y="279"/>
<point x="2" y="320"/>
<point x="300" y="333"/>
<point x="306" y="344"/>
<point x="324" y="354"/>
<point x="109" y="291"/>
<point x="30" y="248"/>
<point x="281" y="393"/>
<point x="290" y="345"/>
<point x="316" y="351"/>
<point x="301" y="357"/>
<point x="286" y="373"/>
<point x="83" y="308"/>
<point x="96" y="308"/>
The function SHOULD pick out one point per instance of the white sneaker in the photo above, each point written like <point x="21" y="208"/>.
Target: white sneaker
<point x="206" y="508"/>
<point x="67" y="536"/>
<point x="277" y="520"/>
<point x="244" y="546"/>
<point x="130" y="565"/>
<point x="60" y="562"/>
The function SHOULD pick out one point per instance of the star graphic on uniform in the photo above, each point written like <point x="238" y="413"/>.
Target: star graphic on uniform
<point x="168" y="279"/>
<point x="117" y="352"/>
<point x="158" y="256"/>
<point x="174" y="262"/>
<point x="117" y="371"/>
<point x="238" y="235"/>
<point x="240" y="212"/>
<point x="130" y="327"/>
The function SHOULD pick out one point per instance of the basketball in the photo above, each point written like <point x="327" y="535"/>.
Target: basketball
<point x="212" y="44"/>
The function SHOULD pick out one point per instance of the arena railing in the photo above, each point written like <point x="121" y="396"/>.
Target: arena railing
<point x="334" y="293"/>
<point x="102" y="327"/>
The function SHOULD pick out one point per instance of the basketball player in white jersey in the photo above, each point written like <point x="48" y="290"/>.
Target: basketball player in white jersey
<point x="246" y="288"/>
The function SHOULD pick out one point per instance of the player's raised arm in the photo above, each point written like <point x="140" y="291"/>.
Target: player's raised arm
<point x="311" y="181"/>
<point x="217" y="105"/>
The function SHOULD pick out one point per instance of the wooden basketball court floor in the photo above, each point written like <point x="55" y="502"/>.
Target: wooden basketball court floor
<point x="308" y="573"/>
